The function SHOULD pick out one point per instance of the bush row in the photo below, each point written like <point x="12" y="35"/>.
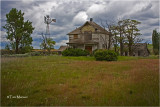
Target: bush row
<point x="16" y="55"/>
<point x="107" y="55"/>
<point x="100" y="55"/>
<point x="75" y="52"/>
<point x="36" y="53"/>
<point x="42" y="53"/>
<point x="4" y="52"/>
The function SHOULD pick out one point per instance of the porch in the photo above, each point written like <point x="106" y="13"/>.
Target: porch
<point x="85" y="46"/>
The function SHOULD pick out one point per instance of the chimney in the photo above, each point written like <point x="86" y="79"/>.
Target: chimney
<point x="91" y="19"/>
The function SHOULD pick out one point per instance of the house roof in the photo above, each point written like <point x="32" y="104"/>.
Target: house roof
<point x="93" y="24"/>
<point x="140" y="44"/>
<point x="62" y="48"/>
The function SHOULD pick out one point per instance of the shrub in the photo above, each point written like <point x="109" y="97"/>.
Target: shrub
<point x="25" y="49"/>
<point x="107" y="55"/>
<point x="16" y="55"/>
<point x="92" y="54"/>
<point x="35" y="53"/>
<point x="75" y="52"/>
<point x="8" y="52"/>
<point x="156" y="51"/>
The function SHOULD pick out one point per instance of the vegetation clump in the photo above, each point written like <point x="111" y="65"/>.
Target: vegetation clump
<point x="106" y="55"/>
<point x="75" y="52"/>
<point x="18" y="32"/>
<point x="35" y="53"/>
<point x="155" y="41"/>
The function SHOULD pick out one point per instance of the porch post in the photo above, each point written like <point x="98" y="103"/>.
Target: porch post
<point x="84" y="47"/>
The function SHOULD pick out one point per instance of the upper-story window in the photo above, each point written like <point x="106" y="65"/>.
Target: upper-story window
<point x="96" y="29"/>
<point x="88" y="35"/>
<point x="75" y="36"/>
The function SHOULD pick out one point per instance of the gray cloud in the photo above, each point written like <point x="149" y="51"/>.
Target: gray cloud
<point x="72" y="13"/>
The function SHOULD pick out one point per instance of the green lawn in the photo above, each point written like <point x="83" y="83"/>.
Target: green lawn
<point x="150" y="48"/>
<point x="80" y="81"/>
<point x="120" y="58"/>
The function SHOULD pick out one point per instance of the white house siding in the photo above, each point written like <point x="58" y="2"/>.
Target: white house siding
<point x="101" y="41"/>
<point x="94" y="47"/>
<point x="95" y="38"/>
<point x="71" y="38"/>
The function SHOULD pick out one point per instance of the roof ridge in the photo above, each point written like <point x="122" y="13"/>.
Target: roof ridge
<point x="93" y="24"/>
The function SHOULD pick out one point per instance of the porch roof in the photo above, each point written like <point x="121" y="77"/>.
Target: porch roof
<point x="88" y="43"/>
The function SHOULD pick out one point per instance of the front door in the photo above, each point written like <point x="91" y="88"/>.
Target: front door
<point x="88" y="48"/>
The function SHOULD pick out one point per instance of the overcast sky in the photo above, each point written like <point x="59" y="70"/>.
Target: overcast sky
<point x="70" y="14"/>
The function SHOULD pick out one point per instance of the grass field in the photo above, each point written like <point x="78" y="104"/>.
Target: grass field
<point x="80" y="81"/>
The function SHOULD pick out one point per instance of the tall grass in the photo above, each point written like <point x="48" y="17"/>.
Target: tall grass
<point x="72" y="81"/>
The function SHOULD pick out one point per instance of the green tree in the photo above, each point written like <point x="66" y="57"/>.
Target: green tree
<point x="47" y="43"/>
<point x="115" y="38"/>
<point x="155" y="41"/>
<point x="18" y="31"/>
<point x="50" y="44"/>
<point x="7" y="47"/>
<point x="121" y="31"/>
<point x="131" y="33"/>
<point x="125" y="31"/>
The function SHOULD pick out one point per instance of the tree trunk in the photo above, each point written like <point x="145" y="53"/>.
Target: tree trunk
<point x="109" y="43"/>
<point x="115" y="44"/>
<point x="49" y="50"/>
<point x="130" y="46"/>
<point x="130" y="49"/>
<point x="121" y="44"/>
<point x="121" y="48"/>
<point x="17" y="50"/>
<point x="115" y="48"/>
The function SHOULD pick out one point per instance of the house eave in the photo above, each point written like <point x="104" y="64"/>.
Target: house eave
<point x="87" y="43"/>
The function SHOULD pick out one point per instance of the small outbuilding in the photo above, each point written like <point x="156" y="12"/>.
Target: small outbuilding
<point x="62" y="48"/>
<point x="139" y="49"/>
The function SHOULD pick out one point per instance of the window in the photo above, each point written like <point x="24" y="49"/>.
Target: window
<point x="96" y="29"/>
<point x="75" y="36"/>
<point x="88" y="35"/>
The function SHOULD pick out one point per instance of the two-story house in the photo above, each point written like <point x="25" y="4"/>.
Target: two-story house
<point x="89" y="36"/>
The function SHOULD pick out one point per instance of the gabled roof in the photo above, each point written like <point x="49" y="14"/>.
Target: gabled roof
<point x="62" y="48"/>
<point x="140" y="44"/>
<point x="91" y="23"/>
